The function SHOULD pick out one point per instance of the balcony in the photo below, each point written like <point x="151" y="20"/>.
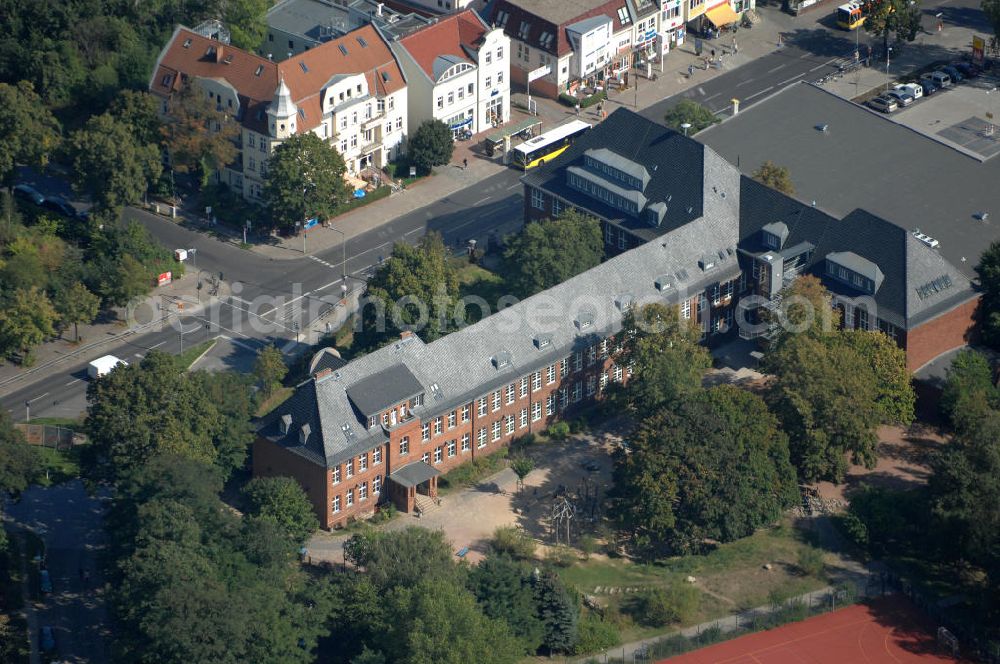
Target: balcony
<point x="399" y="420"/>
<point x="374" y="121"/>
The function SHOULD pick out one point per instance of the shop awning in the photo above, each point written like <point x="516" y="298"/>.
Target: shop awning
<point x="722" y="15"/>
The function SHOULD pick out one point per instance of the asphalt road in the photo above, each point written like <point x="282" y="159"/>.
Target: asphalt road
<point x="261" y="300"/>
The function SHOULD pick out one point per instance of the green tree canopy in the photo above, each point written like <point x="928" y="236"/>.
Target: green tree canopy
<point x="893" y="17"/>
<point x="690" y="112"/>
<point x="665" y="357"/>
<point x="417" y="289"/>
<point x="19" y="461"/>
<point x="969" y="390"/>
<point x="547" y="253"/>
<point x="559" y="613"/>
<point x="989" y="278"/>
<point x="430" y="145"/>
<point x="401" y="558"/>
<point x="198" y="136"/>
<point x="28" y="132"/>
<point x="505" y="590"/>
<point x="140" y="111"/>
<point x="281" y="501"/>
<point x="76" y="305"/>
<point x="110" y="165"/>
<point x="269" y="369"/>
<point x="775" y="177"/>
<point x="246" y="22"/>
<point x="714" y="467"/>
<point x="305" y="179"/>
<point x="27" y="320"/>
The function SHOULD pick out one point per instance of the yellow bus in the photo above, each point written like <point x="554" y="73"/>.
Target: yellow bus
<point x="547" y="146"/>
<point x="850" y="16"/>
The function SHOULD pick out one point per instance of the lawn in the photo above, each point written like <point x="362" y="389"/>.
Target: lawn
<point x="730" y="578"/>
<point x="476" y="281"/>
<point x="58" y="466"/>
<point x="187" y="358"/>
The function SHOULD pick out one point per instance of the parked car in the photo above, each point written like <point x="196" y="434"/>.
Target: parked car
<point x="883" y="104"/>
<point x="968" y="70"/>
<point x="913" y="88"/>
<point x="902" y="97"/>
<point x="59" y="205"/>
<point x="46" y="639"/>
<point x="929" y="87"/>
<point x="956" y="75"/>
<point x="45" y="581"/>
<point x="28" y="193"/>
<point x="940" y="78"/>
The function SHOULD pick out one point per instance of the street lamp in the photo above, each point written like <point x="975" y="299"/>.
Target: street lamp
<point x="989" y="114"/>
<point x="685" y="126"/>
<point x="888" y="50"/>
<point x="343" y="244"/>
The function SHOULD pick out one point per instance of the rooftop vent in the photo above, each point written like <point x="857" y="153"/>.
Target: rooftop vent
<point x="259" y="70"/>
<point x="664" y="283"/>
<point x="385" y="77"/>
<point x="543" y="341"/>
<point x="304" y="433"/>
<point x="926" y="239"/>
<point x="706" y="263"/>
<point x="286" y="423"/>
<point x="364" y="44"/>
<point x="584" y="320"/>
<point x="936" y="286"/>
<point x="228" y="59"/>
<point x="624" y="302"/>
<point x="823" y="127"/>
<point x="502" y="360"/>
<point x="348" y="432"/>
<point x="187" y="43"/>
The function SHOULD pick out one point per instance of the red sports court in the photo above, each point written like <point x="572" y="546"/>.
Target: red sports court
<point x="888" y="630"/>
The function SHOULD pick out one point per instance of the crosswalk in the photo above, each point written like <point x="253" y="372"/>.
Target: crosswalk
<point x="323" y="262"/>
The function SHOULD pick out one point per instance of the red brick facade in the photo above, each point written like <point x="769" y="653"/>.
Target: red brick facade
<point x="950" y="330"/>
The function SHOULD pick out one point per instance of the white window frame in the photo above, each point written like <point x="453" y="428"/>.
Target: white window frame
<point x="336" y="475"/>
<point x="404" y="446"/>
<point x="536" y="411"/>
<point x="481" y="438"/>
<point x="524" y="417"/>
<point x="336" y="504"/>
<point x="377" y="456"/>
<point x="466" y="442"/>
<point x="496" y="431"/>
<point x="537" y="199"/>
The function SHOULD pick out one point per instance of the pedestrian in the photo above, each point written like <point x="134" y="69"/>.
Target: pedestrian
<point x="940" y="25"/>
<point x="736" y="49"/>
<point x="578" y="109"/>
<point x="465" y="164"/>
<point x="690" y="71"/>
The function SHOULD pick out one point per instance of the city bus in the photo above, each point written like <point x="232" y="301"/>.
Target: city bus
<point x="850" y="16"/>
<point x="548" y="145"/>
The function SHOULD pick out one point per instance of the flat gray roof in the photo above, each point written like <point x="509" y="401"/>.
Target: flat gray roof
<point x="559" y="11"/>
<point x="414" y="474"/>
<point x="865" y="160"/>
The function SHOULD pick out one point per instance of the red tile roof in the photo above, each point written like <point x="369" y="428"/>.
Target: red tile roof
<point x="256" y="78"/>
<point x="452" y="35"/>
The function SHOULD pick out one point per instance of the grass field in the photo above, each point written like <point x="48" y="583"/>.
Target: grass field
<point x="476" y="281"/>
<point x="187" y="358"/>
<point x="58" y="466"/>
<point x="277" y="397"/>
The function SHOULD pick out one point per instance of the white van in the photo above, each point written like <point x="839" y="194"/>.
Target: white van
<point x="103" y="365"/>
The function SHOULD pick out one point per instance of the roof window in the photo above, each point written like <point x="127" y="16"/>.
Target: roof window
<point x="259" y="71"/>
<point x="286" y="423"/>
<point x="304" y="433"/>
<point x="343" y="49"/>
<point x="187" y="43"/>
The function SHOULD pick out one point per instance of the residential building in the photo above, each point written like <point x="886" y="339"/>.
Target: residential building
<point x="294" y="26"/>
<point x="349" y="91"/>
<point x="590" y="44"/>
<point x="458" y="72"/>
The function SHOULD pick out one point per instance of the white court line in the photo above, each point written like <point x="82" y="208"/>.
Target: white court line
<point x="757" y="94"/>
<point x="38" y="397"/>
<point x="789" y="80"/>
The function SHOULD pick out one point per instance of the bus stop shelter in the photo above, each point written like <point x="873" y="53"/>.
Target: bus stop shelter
<point x="499" y="142"/>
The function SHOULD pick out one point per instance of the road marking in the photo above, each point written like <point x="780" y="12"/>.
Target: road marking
<point x="825" y="64"/>
<point x="804" y="56"/>
<point x="749" y="80"/>
<point x="757" y="94"/>
<point x="139" y="355"/>
<point x="789" y="80"/>
<point x="38" y="397"/>
<point x="771" y="71"/>
<point x="712" y="97"/>
<point x="75" y="380"/>
<point x="516" y="185"/>
<point x="481" y="201"/>
<point x="237" y="342"/>
<point x="156" y="345"/>
<point x="415" y="230"/>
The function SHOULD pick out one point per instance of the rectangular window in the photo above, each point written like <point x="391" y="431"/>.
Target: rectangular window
<point x="425" y="432"/>
<point x="438" y="423"/>
<point x="350" y="497"/>
<point x="510" y="393"/>
<point x="336" y="504"/>
<point x="563" y="397"/>
<point x="604" y="381"/>
<point x="536" y="411"/>
<point x="336" y="475"/>
<point x="482" y="407"/>
<point x="550" y="404"/>
<point x="604" y="349"/>
<point x="426" y="458"/>
<point x="550" y="374"/>
<point x="496" y="401"/>
<point x="451" y="98"/>
<point x="537" y="199"/>
<point x="500" y="53"/>
<point x="481" y="438"/>
<point x="499" y="77"/>
<point x="524" y="387"/>
<point x="564" y="367"/>
<point x="440" y="102"/>
<point x="609" y="234"/>
<point x="489" y="82"/>
<point x="363" y="492"/>
<point x="623" y="16"/>
<point x="350" y="468"/>
<point x="591" y="386"/>
<point x="438" y="455"/>
<point x="471" y="87"/>
<point x="622" y="244"/>
<point x="489" y="57"/>
<point x="524" y="417"/>
<point x="399" y="123"/>
<point x="686" y="309"/>
<point x="618" y="374"/>
<point x="466" y="446"/>
<point x="536" y="381"/>
<point x="578" y="361"/>
<point x="363" y="462"/>
<point x="591" y="356"/>
<point x="557" y="205"/>
<point x="496" y="430"/>
<point x="404" y="446"/>
<point x="465" y="413"/>
<point x="354" y="141"/>
<point x="509" y="424"/>
<point x="577" y="391"/>
<point x="377" y="485"/>
<point x="376" y="456"/>
<point x="452" y="451"/>
<point x="452" y="418"/>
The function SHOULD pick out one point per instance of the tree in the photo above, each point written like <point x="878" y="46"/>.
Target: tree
<point x="690" y="112"/>
<point x="895" y="399"/>
<point x="659" y="607"/>
<point x="558" y="612"/>
<point x="512" y="541"/>
<point x="431" y="145"/>
<point x="547" y="253"/>
<point x="521" y="466"/>
<point x="245" y="19"/>
<point x="714" y="467"/>
<point x="19" y="461"/>
<point x="199" y="137"/>
<point x="665" y="356"/>
<point x="140" y="111"/>
<point x="989" y="278"/>
<point x="806" y="309"/>
<point x="503" y="587"/>
<point x="968" y="389"/>
<point x="991" y="8"/>
<point x="401" y="558"/>
<point x="899" y="17"/>
<point x="305" y="179"/>
<point x="416" y="289"/>
<point x="76" y="305"/>
<point x="269" y="368"/>
<point x="281" y="501"/>
<point x="110" y="165"/>
<point x="27" y="320"/>
<point x="28" y="131"/>
<point x="776" y="177"/>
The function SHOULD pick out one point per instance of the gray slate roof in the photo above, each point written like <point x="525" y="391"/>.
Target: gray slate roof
<point x="413" y="474"/>
<point x="378" y="391"/>
<point x="865" y="160"/>
<point x="461" y="364"/>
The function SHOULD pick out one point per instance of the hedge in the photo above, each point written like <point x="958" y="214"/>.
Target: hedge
<point x="571" y="101"/>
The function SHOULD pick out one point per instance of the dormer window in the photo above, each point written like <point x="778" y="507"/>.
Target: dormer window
<point x="285" y="424"/>
<point x="543" y="341"/>
<point x="502" y="360"/>
<point x="664" y="283"/>
<point x="624" y="302"/>
<point x="304" y="433"/>
<point x="584" y="320"/>
<point x="372" y="421"/>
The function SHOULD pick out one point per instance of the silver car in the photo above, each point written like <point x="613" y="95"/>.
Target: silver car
<point x="903" y="97"/>
<point x="883" y="104"/>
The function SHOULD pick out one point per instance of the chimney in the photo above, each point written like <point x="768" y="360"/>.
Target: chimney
<point x="378" y="9"/>
<point x="406" y="334"/>
<point x="218" y="53"/>
<point x="323" y="373"/>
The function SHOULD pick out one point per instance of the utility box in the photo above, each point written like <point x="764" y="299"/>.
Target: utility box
<point x="180" y="255"/>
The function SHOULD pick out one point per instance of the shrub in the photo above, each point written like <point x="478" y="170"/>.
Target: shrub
<point x="810" y="561"/>
<point x="558" y="431"/>
<point x="514" y="542"/>
<point x="596" y="635"/>
<point x="578" y="425"/>
<point x="560" y="556"/>
<point x="588" y="545"/>
<point x="586" y="102"/>
<point x="662" y="606"/>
